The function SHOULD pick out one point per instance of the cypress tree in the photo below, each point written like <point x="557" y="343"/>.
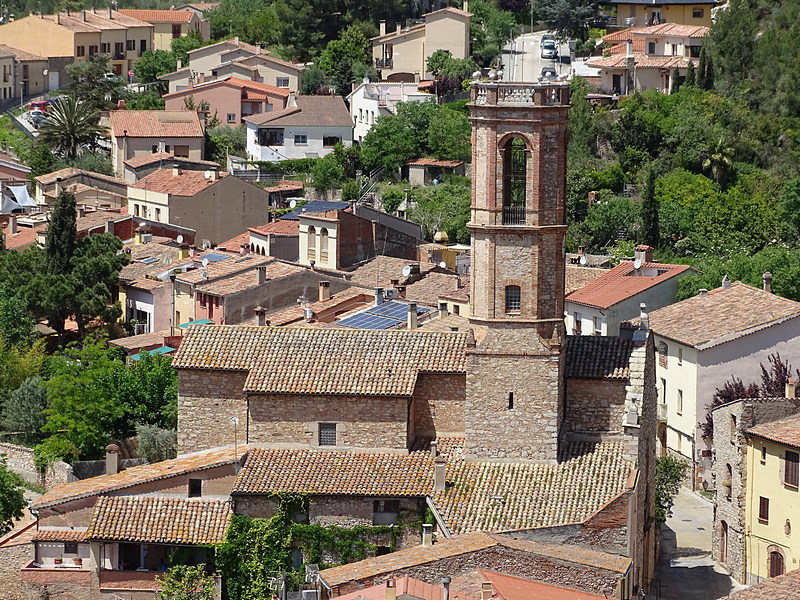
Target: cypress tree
<point x="650" y="229"/>
<point x="673" y="81"/>
<point x="59" y="246"/>
<point x="708" y="83"/>
<point x="690" y="75"/>
<point x="700" y="75"/>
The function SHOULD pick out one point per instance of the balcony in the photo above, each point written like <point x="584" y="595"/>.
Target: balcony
<point x="129" y="580"/>
<point x="40" y="575"/>
<point x="384" y="63"/>
<point x="119" y="56"/>
<point x="513" y="215"/>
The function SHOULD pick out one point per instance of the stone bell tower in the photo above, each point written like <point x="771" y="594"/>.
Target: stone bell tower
<point x="515" y="383"/>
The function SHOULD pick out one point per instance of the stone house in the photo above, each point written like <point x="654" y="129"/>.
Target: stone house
<point x="401" y="55"/>
<point x="90" y="189"/>
<point x="229" y="98"/>
<point x="599" y="307"/>
<point x="170" y="25"/>
<point x="701" y="343"/>
<point x="783" y="587"/>
<point x="139" y="132"/>
<point x="754" y="468"/>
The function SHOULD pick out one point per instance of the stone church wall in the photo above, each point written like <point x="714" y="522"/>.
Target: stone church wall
<point x="437" y="408"/>
<point x="594" y="406"/>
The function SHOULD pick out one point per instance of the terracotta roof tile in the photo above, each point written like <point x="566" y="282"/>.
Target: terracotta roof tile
<point x="311" y="111"/>
<point x="598" y="357"/>
<point x="158" y="520"/>
<point x="509" y="587"/>
<point x="238" y="241"/>
<point x="430" y="288"/>
<point x="379" y="271"/>
<point x="279" y="227"/>
<point x="247" y="279"/>
<point x="21" y="55"/>
<point x="186" y="183"/>
<point x="352" y="296"/>
<point x="621" y="283"/>
<point x="148" y="159"/>
<point x="70" y="172"/>
<point x="786" y="431"/>
<point x="432" y="162"/>
<point x="224" y="268"/>
<point x="406" y="588"/>
<point x="286" y="186"/>
<point x="94" y="486"/>
<point x="144" y="340"/>
<point x="242" y="84"/>
<point x="722" y="315"/>
<point x="158" y="16"/>
<point x="533" y="495"/>
<point x="619" y="61"/>
<point x="265" y="58"/>
<point x="782" y="587"/>
<point x="225" y="46"/>
<point x="156" y="123"/>
<point x="269" y="471"/>
<point x="59" y="535"/>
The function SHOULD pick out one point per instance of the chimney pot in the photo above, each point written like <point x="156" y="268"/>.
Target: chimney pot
<point x="261" y="275"/>
<point x="260" y="316"/>
<point x="446" y="587"/>
<point x="324" y="290"/>
<point x="434" y="451"/>
<point x="791" y="388"/>
<point x="383" y="27"/>
<point x="702" y="293"/>
<point x="438" y="475"/>
<point x="176" y="169"/>
<point x="486" y="590"/>
<point x="244" y="249"/>
<point x="644" y="253"/>
<point x="412" y="315"/>
<point x="391" y="590"/>
<point x="767" y="279"/>
<point x="427" y="534"/>
<point x="112" y="459"/>
<point x="726" y="283"/>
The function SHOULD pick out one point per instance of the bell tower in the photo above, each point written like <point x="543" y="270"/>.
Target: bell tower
<point x="515" y="383"/>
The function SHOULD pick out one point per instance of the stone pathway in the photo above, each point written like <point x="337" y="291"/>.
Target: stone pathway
<point x="685" y="570"/>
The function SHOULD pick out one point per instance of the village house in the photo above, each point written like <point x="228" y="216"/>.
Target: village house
<point x="644" y="13"/>
<point x="198" y="8"/>
<point x="90" y="188"/>
<point x="170" y="25"/>
<point x="280" y="239"/>
<point x="649" y="57"/>
<point x="401" y="55"/>
<point x="229" y="99"/>
<point x="783" y="587"/>
<point x="24" y="73"/>
<point x="216" y="206"/>
<point x="368" y="101"/>
<point x="136" y="133"/>
<point x="309" y="127"/>
<point x="77" y="35"/>
<point x="755" y="467"/>
<point x="701" y="343"/>
<point x="616" y="295"/>
<point x="141" y="166"/>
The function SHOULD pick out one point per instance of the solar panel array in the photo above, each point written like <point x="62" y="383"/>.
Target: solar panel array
<point x="214" y="257"/>
<point x="384" y="316"/>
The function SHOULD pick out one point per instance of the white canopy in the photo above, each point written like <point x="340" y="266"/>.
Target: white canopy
<point x="8" y="205"/>
<point x="21" y="194"/>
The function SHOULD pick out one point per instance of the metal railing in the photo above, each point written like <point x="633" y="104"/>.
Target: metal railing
<point x="513" y="215"/>
<point x="384" y="63"/>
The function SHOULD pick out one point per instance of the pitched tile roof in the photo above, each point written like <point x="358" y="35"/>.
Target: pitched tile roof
<point x="148" y="159"/>
<point x="247" y="279"/>
<point x="70" y="172"/>
<point x="259" y="58"/>
<point x="349" y="297"/>
<point x="158" y="16"/>
<point x="165" y="253"/>
<point x="286" y="186"/>
<point x="406" y="588"/>
<point x="432" y="162"/>
<point x="622" y="282"/>
<point x="143" y="340"/>
<point x="103" y="484"/>
<point x="509" y="587"/>
<point x="311" y="111"/>
<point x="20" y="55"/>
<point x="722" y="315"/>
<point x="785" y="431"/>
<point x="279" y="227"/>
<point x="323" y="361"/>
<point x="620" y="61"/>
<point x="598" y="357"/>
<point x="782" y="587"/>
<point x="242" y="84"/>
<point x="269" y="471"/>
<point x="533" y="495"/>
<point x="59" y="535"/>
<point x="158" y="520"/>
<point x="379" y="271"/>
<point x="156" y="123"/>
<point x="225" y="46"/>
<point x="224" y="268"/>
<point x="185" y="183"/>
<point x="466" y="544"/>
<point x="430" y="288"/>
<point x="579" y="276"/>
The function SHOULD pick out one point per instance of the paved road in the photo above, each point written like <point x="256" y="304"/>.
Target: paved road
<point x="522" y="58"/>
<point x="685" y="570"/>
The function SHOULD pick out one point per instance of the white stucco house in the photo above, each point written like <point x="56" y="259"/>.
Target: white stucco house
<point x="309" y="127"/>
<point x="600" y="306"/>
<point x="372" y="100"/>
<point x="705" y="340"/>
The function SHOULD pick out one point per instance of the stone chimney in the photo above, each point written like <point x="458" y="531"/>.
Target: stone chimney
<point x="324" y="290"/>
<point x="702" y="293"/>
<point x="726" y="283"/>
<point x="378" y="296"/>
<point x="383" y="27"/>
<point x="412" y="315"/>
<point x="244" y="249"/>
<point x="261" y="275"/>
<point x="12" y="224"/>
<point x="112" y="459"/>
<point x="446" y="587"/>
<point x="791" y="388"/>
<point x="629" y="49"/>
<point x="767" y="279"/>
<point x="391" y="590"/>
<point x="427" y="535"/>
<point x="176" y="169"/>
<point x="486" y="590"/>
<point x="643" y="253"/>
<point x="434" y="450"/>
<point x="438" y="475"/>
<point x="291" y="101"/>
<point x="260" y="316"/>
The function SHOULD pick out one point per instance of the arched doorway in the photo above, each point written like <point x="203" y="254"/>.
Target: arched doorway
<point x="777" y="562"/>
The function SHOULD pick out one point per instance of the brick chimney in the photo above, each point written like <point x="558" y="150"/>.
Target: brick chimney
<point x="391" y="590"/>
<point x="176" y="169"/>
<point x="427" y="534"/>
<point x="643" y="253"/>
<point x="260" y="316"/>
<point x="412" y="315"/>
<point x="261" y="275"/>
<point x="324" y="290"/>
<point x="767" y="279"/>
<point x="112" y="459"/>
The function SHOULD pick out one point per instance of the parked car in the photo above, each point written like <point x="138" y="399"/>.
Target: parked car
<point x="549" y="49"/>
<point x="39" y="120"/>
<point x="549" y="73"/>
<point x="548" y="37"/>
<point x="34" y="114"/>
<point x="39" y="105"/>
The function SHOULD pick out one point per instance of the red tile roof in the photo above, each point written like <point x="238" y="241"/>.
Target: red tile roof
<point x="311" y="111"/>
<point x="156" y="123"/>
<point x="147" y="159"/>
<point x="786" y="431"/>
<point x="598" y="357"/>
<point x="432" y="162"/>
<point x="783" y="587"/>
<point x="279" y="227"/>
<point x="186" y="183"/>
<point x="405" y="588"/>
<point x="508" y="587"/>
<point x="621" y="283"/>
<point x="158" y="16"/>
<point x="619" y="61"/>
<point x="21" y="55"/>
<point x="247" y="87"/>
<point x="59" y="535"/>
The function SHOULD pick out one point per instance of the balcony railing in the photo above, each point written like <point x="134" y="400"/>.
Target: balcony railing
<point x="384" y="63"/>
<point x="513" y="215"/>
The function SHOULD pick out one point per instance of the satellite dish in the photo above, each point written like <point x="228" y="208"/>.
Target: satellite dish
<point x="292" y="203"/>
<point x="207" y="174"/>
<point x="443" y="264"/>
<point x="406" y="270"/>
<point x="141" y="224"/>
<point x="637" y="263"/>
<point x="205" y="262"/>
<point x="583" y="260"/>
<point x="179" y="239"/>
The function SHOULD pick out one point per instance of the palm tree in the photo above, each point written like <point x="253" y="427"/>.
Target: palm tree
<point x="718" y="161"/>
<point x="73" y="123"/>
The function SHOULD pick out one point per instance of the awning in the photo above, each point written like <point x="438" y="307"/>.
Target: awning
<point x="156" y="352"/>
<point x="8" y="205"/>
<point x="21" y="194"/>
<point x="197" y="322"/>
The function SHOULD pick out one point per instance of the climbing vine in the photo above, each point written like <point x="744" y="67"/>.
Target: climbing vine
<point x="257" y="550"/>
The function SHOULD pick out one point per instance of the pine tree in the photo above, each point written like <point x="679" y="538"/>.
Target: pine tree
<point x="59" y="246"/>
<point x="690" y="75"/>
<point x="650" y="231"/>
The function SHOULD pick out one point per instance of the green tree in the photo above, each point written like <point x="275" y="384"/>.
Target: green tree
<point x="155" y="444"/>
<point x="674" y="81"/>
<point x="95" y="272"/>
<point x="16" y="325"/>
<point x="490" y="28"/>
<point x="789" y="211"/>
<point x="719" y="161"/>
<point x="24" y="410"/>
<point x="449" y="136"/>
<point x="154" y="63"/>
<point x="73" y="124"/>
<point x="92" y="84"/>
<point x="568" y="18"/>
<point x="669" y="473"/>
<point x="12" y="497"/>
<point x="444" y="207"/>
<point x="148" y="391"/>
<point x="326" y="174"/>
<point x="222" y="141"/>
<point x="313" y="80"/>
<point x="705" y="69"/>
<point x="41" y="160"/>
<point x="691" y="75"/>
<point x="650" y="231"/>
<point x="60" y="243"/>
<point x="181" y="46"/>
<point x="97" y="162"/>
<point x="185" y="582"/>
<point x="583" y="130"/>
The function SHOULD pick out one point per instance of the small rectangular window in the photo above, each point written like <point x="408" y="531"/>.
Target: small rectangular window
<point x="282" y="82"/>
<point x="663" y="390"/>
<point x="384" y="512"/>
<point x="763" y="455"/>
<point x="176" y="31"/>
<point x="327" y="434"/>
<point x="651" y="47"/>
<point x="195" y="488"/>
<point x="329" y="141"/>
<point x="598" y="326"/>
<point x="105" y="47"/>
<point x="680" y="402"/>
<point x="300" y="139"/>
<point x="578" y="327"/>
<point x="231" y="117"/>
<point x="763" y="509"/>
<point x="70" y="548"/>
<point x="80" y="51"/>
<point x="92" y="50"/>
<point x="680" y="356"/>
<point x="130" y="45"/>
<point x="513" y="298"/>
<point x="791" y="475"/>
<point x="697" y="13"/>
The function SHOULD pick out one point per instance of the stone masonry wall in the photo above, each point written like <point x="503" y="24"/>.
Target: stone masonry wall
<point x="12" y="558"/>
<point x="594" y="405"/>
<point x="20" y="460"/>
<point x="208" y="401"/>
<point x="437" y="408"/>
<point x="365" y="422"/>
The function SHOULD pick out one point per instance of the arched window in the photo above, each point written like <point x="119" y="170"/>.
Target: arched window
<point x="515" y="170"/>
<point x="323" y="244"/>
<point x="312" y="243"/>
<point x="513" y="298"/>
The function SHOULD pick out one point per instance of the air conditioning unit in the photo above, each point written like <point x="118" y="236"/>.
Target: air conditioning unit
<point x="390" y="294"/>
<point x="147" y="237"/>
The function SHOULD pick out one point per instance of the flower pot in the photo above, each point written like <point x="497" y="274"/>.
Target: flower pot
<point x="78" y="561"/>
<point x="58" y="561"/>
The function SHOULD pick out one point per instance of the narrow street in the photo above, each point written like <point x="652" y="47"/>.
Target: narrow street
<point x="685" y="570"/>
